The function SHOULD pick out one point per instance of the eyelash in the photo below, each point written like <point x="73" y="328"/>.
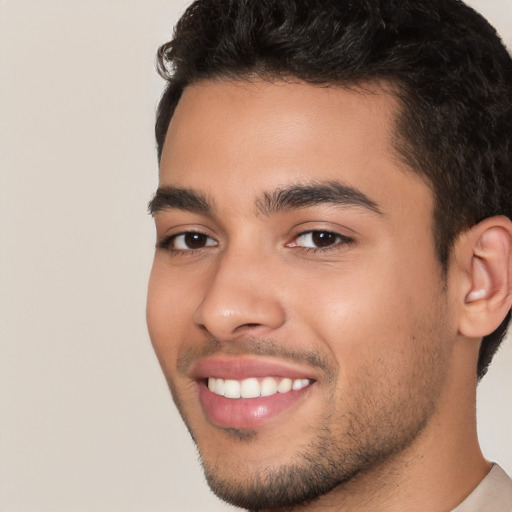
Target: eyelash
<point x="342" y="240"/>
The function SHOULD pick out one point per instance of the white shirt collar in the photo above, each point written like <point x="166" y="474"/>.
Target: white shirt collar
<point x="493" y="494"/>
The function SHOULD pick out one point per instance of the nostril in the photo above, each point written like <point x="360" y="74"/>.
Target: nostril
<point x="250" y="326"/>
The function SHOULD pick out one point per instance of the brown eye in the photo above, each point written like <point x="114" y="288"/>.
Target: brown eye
<point x="320" y="240"/>
<point x="323" y="238"/>
<point x="191" y="241"/>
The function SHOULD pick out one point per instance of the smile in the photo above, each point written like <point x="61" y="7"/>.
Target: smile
<point x="254" y="388"/>
<point x="247" y="392"/>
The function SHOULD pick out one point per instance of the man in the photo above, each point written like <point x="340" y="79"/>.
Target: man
<point x="333" y="265"/>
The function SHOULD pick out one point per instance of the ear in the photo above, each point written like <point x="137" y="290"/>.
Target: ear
<point x="484" y="254"/>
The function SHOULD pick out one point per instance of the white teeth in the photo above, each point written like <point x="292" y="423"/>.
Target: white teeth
<point x="250" y="388"/>
<point x="253" y="388"/>
<point x="284" y="386"/>
<point x="299" y="383"/>
<point x="219" y="386"/>
<point x="231" y="389"/>
<point x="268" y="386"/>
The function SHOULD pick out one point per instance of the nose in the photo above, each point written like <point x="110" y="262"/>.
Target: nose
<point x="242" y="297"/>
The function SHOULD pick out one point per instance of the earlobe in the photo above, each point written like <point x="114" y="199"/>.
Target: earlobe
<point x="488" y="290"/>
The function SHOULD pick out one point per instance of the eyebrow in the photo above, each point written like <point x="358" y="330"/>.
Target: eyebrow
<point x="302" y="196"/>
<point x="174" y="198"/>
<point x="293" y="197"/>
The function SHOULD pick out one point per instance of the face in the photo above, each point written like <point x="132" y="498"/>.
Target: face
<point x="296" y="304"/>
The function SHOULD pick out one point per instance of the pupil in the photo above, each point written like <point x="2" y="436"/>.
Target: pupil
<point x="323" y="238"/>
<point x="195" y="240"/>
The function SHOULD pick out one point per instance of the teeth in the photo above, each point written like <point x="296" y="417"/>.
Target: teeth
<point x="268" y="386"/>
<point x="231" y="388"/>
<point x="250" y="388"/>
<point x="300" y="383"/>
<point x="219" y="386"/>
<point x="253" y="388"/>
<point x="284" y="386"/>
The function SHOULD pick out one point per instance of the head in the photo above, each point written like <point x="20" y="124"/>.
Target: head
<point x="452" y="76"/>
<point x="427" y="87"/>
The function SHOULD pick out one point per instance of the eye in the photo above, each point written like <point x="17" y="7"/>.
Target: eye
<point x="319" y="240"/>
<point x="189" y="241"/>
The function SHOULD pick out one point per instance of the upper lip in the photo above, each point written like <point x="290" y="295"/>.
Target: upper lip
<point x="239" y="368"/>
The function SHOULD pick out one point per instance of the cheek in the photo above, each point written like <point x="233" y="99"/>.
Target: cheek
<point x="390" y="343"/>
<point x="371" y="311"/>
<point x="167" y="311"/>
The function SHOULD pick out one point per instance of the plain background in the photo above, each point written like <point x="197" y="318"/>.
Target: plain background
<point x="86" y="420"/>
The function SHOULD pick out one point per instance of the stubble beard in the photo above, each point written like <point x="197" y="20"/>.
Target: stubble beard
<point x="327" y="463"/>
<point x="345" y="444"/>
<point x="331" y="459"/>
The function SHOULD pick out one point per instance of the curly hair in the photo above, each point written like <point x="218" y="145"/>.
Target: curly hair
<point x="451" y="72"/>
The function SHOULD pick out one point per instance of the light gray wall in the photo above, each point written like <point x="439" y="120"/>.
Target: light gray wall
<point x="86" y="421"/>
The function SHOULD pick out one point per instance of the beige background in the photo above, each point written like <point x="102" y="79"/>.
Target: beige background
<point x="86" y="421"/>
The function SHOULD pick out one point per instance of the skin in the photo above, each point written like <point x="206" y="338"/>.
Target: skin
<point x="391" y="413"/>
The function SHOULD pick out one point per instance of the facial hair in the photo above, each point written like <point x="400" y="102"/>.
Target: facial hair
<point x="384" y="424"/>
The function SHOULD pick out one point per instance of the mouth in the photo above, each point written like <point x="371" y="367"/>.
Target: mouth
<point x="246" y="394"/>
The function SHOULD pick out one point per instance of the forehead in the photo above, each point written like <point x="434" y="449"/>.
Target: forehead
<point x="234" y="139"/>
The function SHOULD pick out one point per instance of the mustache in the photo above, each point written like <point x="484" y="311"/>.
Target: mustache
<point x="189" y="355"/>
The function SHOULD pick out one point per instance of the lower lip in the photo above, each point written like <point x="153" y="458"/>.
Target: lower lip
<point x="246" y="413"/>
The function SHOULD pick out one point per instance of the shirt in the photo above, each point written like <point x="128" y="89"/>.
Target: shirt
<point x="493" y="494"/>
